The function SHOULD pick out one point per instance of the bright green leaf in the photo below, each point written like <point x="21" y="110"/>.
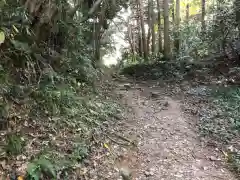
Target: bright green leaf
<point x="14" y="27"/>
<point x="2" y="37"/>
<point x="47" y="166"/>
<point x="32" y="171"/>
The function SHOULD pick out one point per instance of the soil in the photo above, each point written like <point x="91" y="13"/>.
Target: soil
<point x="168" y="143"/>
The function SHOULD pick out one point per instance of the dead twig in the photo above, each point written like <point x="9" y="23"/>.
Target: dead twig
<point x="117" y="142"/>
<point x="122" y="137"/>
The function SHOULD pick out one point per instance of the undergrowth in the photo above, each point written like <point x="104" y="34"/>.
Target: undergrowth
<point x="153" y="70"/>
<point x="159" y="69"/>
<point x="49" y="126"/>
<point x="221" y="121"/>
<point x="49" y="102"/>
<point x="59" y="127"/>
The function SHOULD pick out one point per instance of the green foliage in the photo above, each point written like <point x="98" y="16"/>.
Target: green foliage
<point x="193" y="47"/>
<point x="234" y="162"/>
<point x="14" y="145"/>
<point x="45" y="75"/>
<point x="80" y="152"/>
<point x="161" y="69"/>
<point x="222" y="120"/>
<point x="41" y="167"/>
<point x="47" y="79"/>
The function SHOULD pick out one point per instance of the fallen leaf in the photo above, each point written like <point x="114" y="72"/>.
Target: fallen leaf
<point x="20" y="178"/>
<point x="106" y="146"/>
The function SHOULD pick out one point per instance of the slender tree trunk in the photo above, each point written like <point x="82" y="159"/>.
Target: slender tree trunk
<point x="187" y="22"/>
<point x="97" y="38"/>
<point x="173" y="13"/>
<point x="149" y="25"/>
<point x="203" y="15"/>
<point x="144" y="42"/>
<point x="131" y="39"/>
<point x="148" y="38"/>
<point x="153" y="29"/>
<point x="166" y="30"/>
<point x="187" y="13"/>
<point x="140" y="42"/>
<point x="98" y="35"/>
<point x="133" y="43"/>
<point x="177" y="40"/>
<point x="237" y="12"/>
<point x="160" y="48"/>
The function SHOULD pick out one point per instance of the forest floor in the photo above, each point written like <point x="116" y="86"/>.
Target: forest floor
<point x="161" y="120"/>
<point x="156" y="136"/>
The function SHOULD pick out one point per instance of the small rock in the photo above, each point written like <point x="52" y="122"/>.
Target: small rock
<point x="144" y="103"/>
<point x="127" y="85"/>
<point x="212" y="158"/>
<point x="149" y="172"/>
<point x="3" y="164"/>
<point x="139" y="88"/>
<point x="21" y="157"/>
<point x="205" y="168"/>
<point x="154" y="94"/>
<point x="125" y="173"/>
<point x="166" y="104"/>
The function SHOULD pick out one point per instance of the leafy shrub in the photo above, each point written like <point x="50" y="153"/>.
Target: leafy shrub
<point x="14" y="144"/>
<point x="41" y="167"/>
<point x="221" y="121"/>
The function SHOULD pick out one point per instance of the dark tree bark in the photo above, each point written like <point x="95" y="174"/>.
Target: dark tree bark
<point x="187" y="13"/>
<point x="166" y="30"/>
<point x="160" y="48"/>
<point x="144" y="42"/>
<point x="153" y="20"/>
<point x="177" y="40"/>
<point x="203" y="15"/>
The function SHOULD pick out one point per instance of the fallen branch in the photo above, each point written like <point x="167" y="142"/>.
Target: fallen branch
<point x="122" y="137"/>
<point x="117" y="142"/>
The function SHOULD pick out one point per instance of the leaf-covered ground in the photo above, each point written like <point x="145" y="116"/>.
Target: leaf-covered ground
<point x="150" y="129"/>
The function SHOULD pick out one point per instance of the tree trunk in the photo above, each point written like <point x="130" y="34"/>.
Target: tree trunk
<point x="149" y="25"/>
<point x="160" y="48"/>
<point x="203" y="16"/>
<point x="173" y="13"/>
<point x="98" y="35"/>
<point x="237" y="13"/>
<point x="140" y="43"/>
<point x="148" y="38"/>
<point x="166" y="30"/>
<point x="96" y="41"/>
<point x="131" y="39"/>
<point x="153" y="29"/>
<point x="177" y="40"/>
<point x="144" y="42"/>
<point x="187" y="13"/>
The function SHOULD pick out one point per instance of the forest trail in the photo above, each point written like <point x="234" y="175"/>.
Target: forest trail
<point x="169" y="148"/>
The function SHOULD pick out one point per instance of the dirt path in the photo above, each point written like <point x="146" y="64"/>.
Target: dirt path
<point x="168" y="147"/>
